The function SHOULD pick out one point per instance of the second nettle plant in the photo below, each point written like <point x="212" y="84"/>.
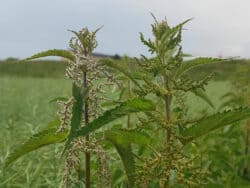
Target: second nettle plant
<point x="136" y="107"/>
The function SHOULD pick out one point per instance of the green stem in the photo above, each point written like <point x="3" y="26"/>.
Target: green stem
<point x="86" y="118"/>
<point x="167" y="107"/>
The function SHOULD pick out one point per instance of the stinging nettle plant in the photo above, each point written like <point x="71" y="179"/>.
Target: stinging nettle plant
<point x="163" y="78"/>
<point x="153" y="130"/>
<point x="81" y="113"/>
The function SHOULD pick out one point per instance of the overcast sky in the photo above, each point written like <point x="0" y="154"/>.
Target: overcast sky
<point x="219" y="27"/>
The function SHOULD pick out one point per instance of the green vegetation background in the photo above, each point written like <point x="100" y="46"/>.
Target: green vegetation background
<point x="25" y="92"/>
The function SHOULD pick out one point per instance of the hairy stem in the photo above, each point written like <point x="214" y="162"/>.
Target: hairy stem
<point x="86" y="118"/>
<point x="167" y="107"/>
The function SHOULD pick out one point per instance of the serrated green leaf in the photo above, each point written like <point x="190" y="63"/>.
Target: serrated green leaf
<point x="122" y="140"/>
<point x="173" y="31"/>
<point x="118" y="178"/>
<point x="121" y="69"/>
<point x="59" y="99"/>
<point x="179" y="26"/>
<point x="127" y="157"/>
<point x="232" y="103"/>
<point x="53" y="124"/>
<point x="214" y="122"/>
<point x="55" y="52"/>
<point x="200" y="93"/>
<point x="124" y="136"/>
<point x="81" y="37"/>
<point x="229" y="95"/>
<point x="125" y="108"/>
<point x="148" y="43"/>
<point x="41" y="139"/>
<point x="87" y="39"/>
<point x="77" y="110"/>
<point x="187" y="65"/>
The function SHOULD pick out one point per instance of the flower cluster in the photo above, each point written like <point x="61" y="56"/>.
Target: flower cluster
<point x="65" y="114"/>
<point x="92" y="146"/>
<point x="170" y="167"/>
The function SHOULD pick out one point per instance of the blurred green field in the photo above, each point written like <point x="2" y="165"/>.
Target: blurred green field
<point x="24" y="109"/>
<point x="38" y="69"/>
<point x="25" y="92"/>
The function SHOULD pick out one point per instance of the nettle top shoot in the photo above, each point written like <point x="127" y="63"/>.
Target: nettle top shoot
<point x="84" y="43"/>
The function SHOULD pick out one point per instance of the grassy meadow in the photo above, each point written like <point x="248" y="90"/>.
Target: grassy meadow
<point x="25" y="94"/>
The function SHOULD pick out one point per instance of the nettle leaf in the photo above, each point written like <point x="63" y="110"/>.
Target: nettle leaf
<point x="200" y="93"/>
<point x="124" y="136"/>
<point x="229" y="95"/>
<point x="81" y="37"/>
<point x="214" y="122"/>
<point x="128" y="160"/>
<point x="125" y="108"/>
<point x="121" y="69"/>
<point x="167" y="40"/>
<point x="55" y="52"/>
<point x="41" y="139"/>
<point x="122" y="140"/>
<point x="232" y="100"/>
<point x="87" y="39"/>
<point x="172" y="36"/>
<point x="77" y="110"/>
<point x="148" y="43"/>
<point x="178" y="27"/>
<point x="57" y="99"/>
<point x="187" y="65"/>
<point x="53" y="124"/>
<point x="232" y="103"/>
